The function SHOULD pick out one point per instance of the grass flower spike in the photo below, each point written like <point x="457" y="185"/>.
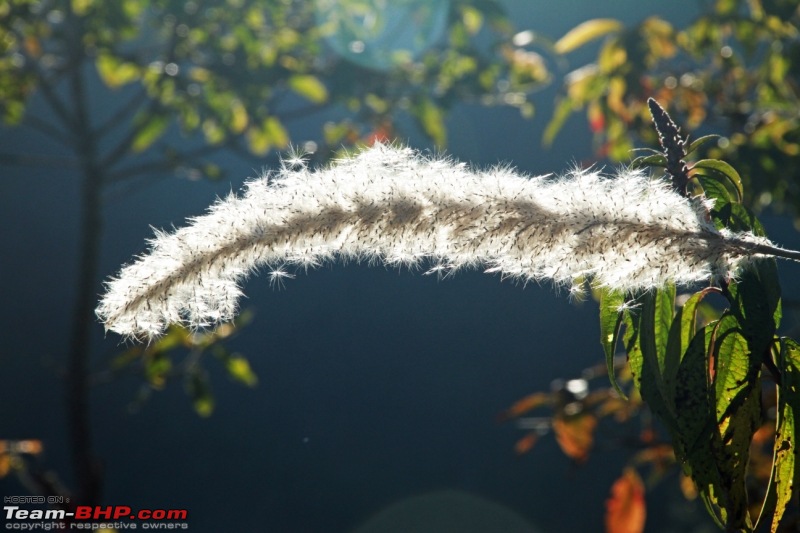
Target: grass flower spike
<point x="396" y="206"/>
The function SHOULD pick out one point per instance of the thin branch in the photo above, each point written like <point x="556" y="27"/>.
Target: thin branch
<point x="776" y="251"/>
<point x="302" y="112"/>
<point x="45" y="127"/>
<point x="163" y="165"/>
<point x="37" y="160"/>
<point x="117" y="118"/>
<point x="125" y="144"/>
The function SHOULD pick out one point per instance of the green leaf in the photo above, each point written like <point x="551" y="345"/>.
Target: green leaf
<point x="611" y="316"/>
<point x="586" y="32"/>
<point x="308" y="86"/>
<point x="756" y="294"/>
<point x="657" y="312"/>
<point x="786" y="474"/>
<point x="561" y="113"/>
<point x="152" y="127"/>
<point x="114" y="72"/>
<point x="199" y="391"/>
<point x="724" y="169"/>
<point x="714" y="188"/>
<point x="655" y="160"/>
<point x="156" y="368"/>
<point x="689" y="318"/>
<point x="697" y="143"/>
<point x="693" y="430"/>
<point x="737" y="399"/>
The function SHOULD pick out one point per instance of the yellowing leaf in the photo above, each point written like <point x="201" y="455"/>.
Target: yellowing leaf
<point x="625" y="509"/>
<point x="213" y="132"/>
<point x="472" y="18"/>
<point x="431" y="119"/>
<point x="80" y="7"/>
<point x="309" y="87"/>
<point x="586" y="32"/>
<point x="270" y="134"/>
<point x="153" y="128"/>
<point x="239" y="117"/>
<point x="114" y="72"/>
<point x="239" y="369"/>
<point x="278" y="134"/>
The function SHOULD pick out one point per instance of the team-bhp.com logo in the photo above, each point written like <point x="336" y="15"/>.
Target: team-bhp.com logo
<point x="112" y="517"/>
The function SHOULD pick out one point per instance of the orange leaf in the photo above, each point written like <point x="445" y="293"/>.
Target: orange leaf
<point x="528" y="403"/>
<point x="688" y="488"/>
<point x="575" y="435"/>
<point x="525" y="444"/>
<point x="5" y="464"/>
<point x="625" y="509"/>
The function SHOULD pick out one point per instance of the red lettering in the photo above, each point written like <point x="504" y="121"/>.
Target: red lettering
<point x="83" y="512"/>
<point x="120" y="511"/>
<point x="102" y="513"/>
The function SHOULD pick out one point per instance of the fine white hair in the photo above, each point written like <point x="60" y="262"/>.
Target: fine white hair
<point x="397" y="206"/>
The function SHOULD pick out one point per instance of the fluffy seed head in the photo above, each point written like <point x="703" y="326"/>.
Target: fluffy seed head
<point x="393" y="205"/>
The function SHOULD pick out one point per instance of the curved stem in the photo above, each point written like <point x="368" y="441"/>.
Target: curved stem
<point x="777" y="251"/>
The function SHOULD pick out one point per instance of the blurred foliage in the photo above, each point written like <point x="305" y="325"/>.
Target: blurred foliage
<point x="246" y="69"/>
<point x="179" y="355"/>
<point x="735" y="70"/>
<point x="701" y="372"/>
<point x="115" y="82"/>
<point x="120" y="78"/>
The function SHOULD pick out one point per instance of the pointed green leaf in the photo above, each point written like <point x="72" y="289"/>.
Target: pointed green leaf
<point x="646" y="334"/>
<point x="726" y="170"/>
<point x="737" y="399"/>
<point x="564" y="108"/>
<point x="611" y="316"/>
<point x="586" y="32"/>
<point x="658" y="309"/>
<point x="694" y="427"/>
<point x="654" y="160"/>
<point x="697" y="143"/>
<point x="714" y="188"/>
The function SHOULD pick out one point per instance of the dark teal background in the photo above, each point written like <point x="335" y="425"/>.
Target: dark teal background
<point x="375" y="385"/>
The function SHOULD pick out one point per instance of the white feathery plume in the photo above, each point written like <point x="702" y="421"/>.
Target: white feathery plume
<point x="393" y="205"/>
